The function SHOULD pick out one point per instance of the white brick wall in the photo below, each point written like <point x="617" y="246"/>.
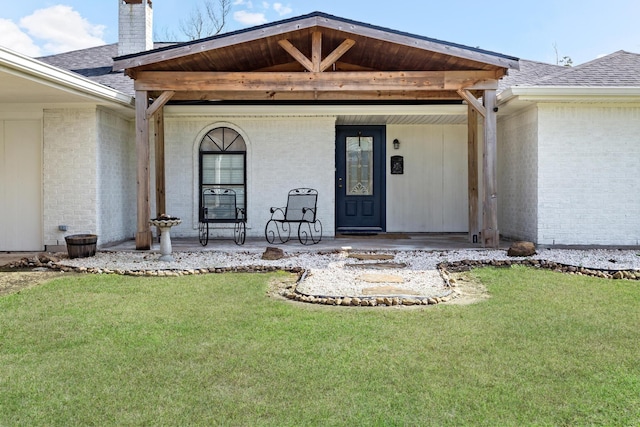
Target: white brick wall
<point x="69" y="173"/>
<point x="518" y="175"/>
<point x="116" y="200"/>
<point x="135" y="28"/>
<point x="589" y="180"/>
<point x="282" y="153"/>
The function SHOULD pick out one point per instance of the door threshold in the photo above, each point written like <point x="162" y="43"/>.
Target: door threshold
<point x="359" y="231"/>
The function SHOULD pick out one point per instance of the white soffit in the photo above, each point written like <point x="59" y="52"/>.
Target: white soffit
<point x="27" y="80"/>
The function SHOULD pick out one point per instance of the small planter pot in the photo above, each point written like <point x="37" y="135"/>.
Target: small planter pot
<point x="81" y="245"/>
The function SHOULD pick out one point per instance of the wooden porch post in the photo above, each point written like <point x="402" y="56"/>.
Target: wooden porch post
<point x="143" y="234"/>
<point x="160" y="175"/>
<point x="472" y="168"/>
<point x="490" y="233"/>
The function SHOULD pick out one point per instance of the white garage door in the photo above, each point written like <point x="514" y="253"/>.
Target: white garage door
<point x="21" y="185"/>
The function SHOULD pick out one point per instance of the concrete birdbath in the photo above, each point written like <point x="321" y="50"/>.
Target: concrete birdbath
<point x="164" y="223"/>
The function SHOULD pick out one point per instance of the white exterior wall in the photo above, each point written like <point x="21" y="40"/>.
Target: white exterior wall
<point x="69" y="169"/>
<point x="21" y="184"/>
<point x="282" y="153"/>
<point x="432" y="194"/>
<point x="116" y="162"/>
<point x="589" y="180"/>
<point x="518" y="175"/>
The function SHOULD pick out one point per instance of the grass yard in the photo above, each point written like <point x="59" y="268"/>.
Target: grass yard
<point x="545" y="349"/>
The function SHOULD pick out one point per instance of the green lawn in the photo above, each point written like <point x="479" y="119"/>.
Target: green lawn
<point x="545" y="349"/>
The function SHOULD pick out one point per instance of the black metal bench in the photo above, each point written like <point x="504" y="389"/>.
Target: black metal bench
<point x="300" y="210"/>
<point x="219" y="206"/>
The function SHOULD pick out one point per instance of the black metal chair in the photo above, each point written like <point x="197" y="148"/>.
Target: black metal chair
<point x="219" y="206"/>
<point x="301" y="209"/>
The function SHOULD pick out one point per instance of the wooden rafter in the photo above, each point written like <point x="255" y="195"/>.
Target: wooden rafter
<point x="159" y="102"/>
<point x="316" y="64"/>
<point x="472" y="101"/>
<point x="316" y="51"/>
<point x="333" y="57"/>
<point x="297" y="55"/>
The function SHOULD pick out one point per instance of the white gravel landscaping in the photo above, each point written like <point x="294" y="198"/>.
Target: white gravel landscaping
<point x="328" y="275"/>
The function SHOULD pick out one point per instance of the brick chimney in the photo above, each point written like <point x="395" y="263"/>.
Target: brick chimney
<point x="135" y="26"/>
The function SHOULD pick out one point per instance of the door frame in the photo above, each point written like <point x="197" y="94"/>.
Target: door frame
<point x="379" y="161"/>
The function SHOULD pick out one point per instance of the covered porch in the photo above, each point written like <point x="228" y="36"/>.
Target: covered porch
<point x="319" y="59"/>
<point x="375" y="243"/>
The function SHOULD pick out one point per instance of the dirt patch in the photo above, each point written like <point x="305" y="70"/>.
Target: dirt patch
<point x="277" y="285"/>
<point x="470" y="290"/>
<point x="15" y="281"/>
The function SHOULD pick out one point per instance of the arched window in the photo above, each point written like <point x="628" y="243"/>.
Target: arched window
<point x="223" y="163"/>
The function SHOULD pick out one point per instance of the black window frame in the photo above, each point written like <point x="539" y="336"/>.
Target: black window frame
<point x="222" y="149"/>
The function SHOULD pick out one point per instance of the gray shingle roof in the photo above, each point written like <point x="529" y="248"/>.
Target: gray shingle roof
<point x="619" y="69"/>
<point x="530" y="72"/>
<point x="96" y="64"/>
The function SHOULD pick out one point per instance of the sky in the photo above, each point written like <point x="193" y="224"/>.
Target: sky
<point x="538" y="30"/>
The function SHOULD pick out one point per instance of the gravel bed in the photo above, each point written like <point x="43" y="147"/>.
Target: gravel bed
<point x="611" y="259"/>
<point x="327" y="274"/>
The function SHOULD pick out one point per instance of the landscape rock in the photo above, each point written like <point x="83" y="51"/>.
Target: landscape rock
<point x="522" y="249"/>
<point x="273" y="254"/>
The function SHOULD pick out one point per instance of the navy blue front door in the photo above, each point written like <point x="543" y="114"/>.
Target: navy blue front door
<point x="360" y="178"/>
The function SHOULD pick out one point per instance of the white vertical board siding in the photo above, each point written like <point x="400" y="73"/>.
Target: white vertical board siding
<point x="21" y="185"/>
<point x="518" y="175"/>
<point x="589" y="179"/>
<point x="432" y="194"/>
<point x="455" y="201"/>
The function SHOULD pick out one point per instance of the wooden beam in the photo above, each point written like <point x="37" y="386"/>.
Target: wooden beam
<point x="490" y="233"/>
<point x="337" y="53"/>
<point x="472" y="101"/>
<point x="316" y="51"/>
<point x="483" y="85"/>
<point x="143" y="234"/>
<point x="472" y="173"/>
<point x="159" y="102"/>
<point x="297" y="55"/>
<point x="294" y="82"/>
<point x="161" y="207"/>
<point x="309" y="95"/>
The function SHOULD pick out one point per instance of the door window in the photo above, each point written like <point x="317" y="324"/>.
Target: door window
<point x="359" y="171"/>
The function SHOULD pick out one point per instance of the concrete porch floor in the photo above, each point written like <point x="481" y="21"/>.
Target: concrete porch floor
<point x="380" y="242"/>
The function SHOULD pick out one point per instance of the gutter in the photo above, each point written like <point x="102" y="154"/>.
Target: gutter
<point x="39" y="72"/>
<point x="570" y="94"/>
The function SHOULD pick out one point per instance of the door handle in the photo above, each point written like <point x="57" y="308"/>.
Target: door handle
<point x="339" y="182"/>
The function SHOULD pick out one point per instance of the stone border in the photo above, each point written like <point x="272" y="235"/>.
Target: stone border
<point x="374" y="300"/>
<point x="51" y="262"/>
<point x="466" y="265"/>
